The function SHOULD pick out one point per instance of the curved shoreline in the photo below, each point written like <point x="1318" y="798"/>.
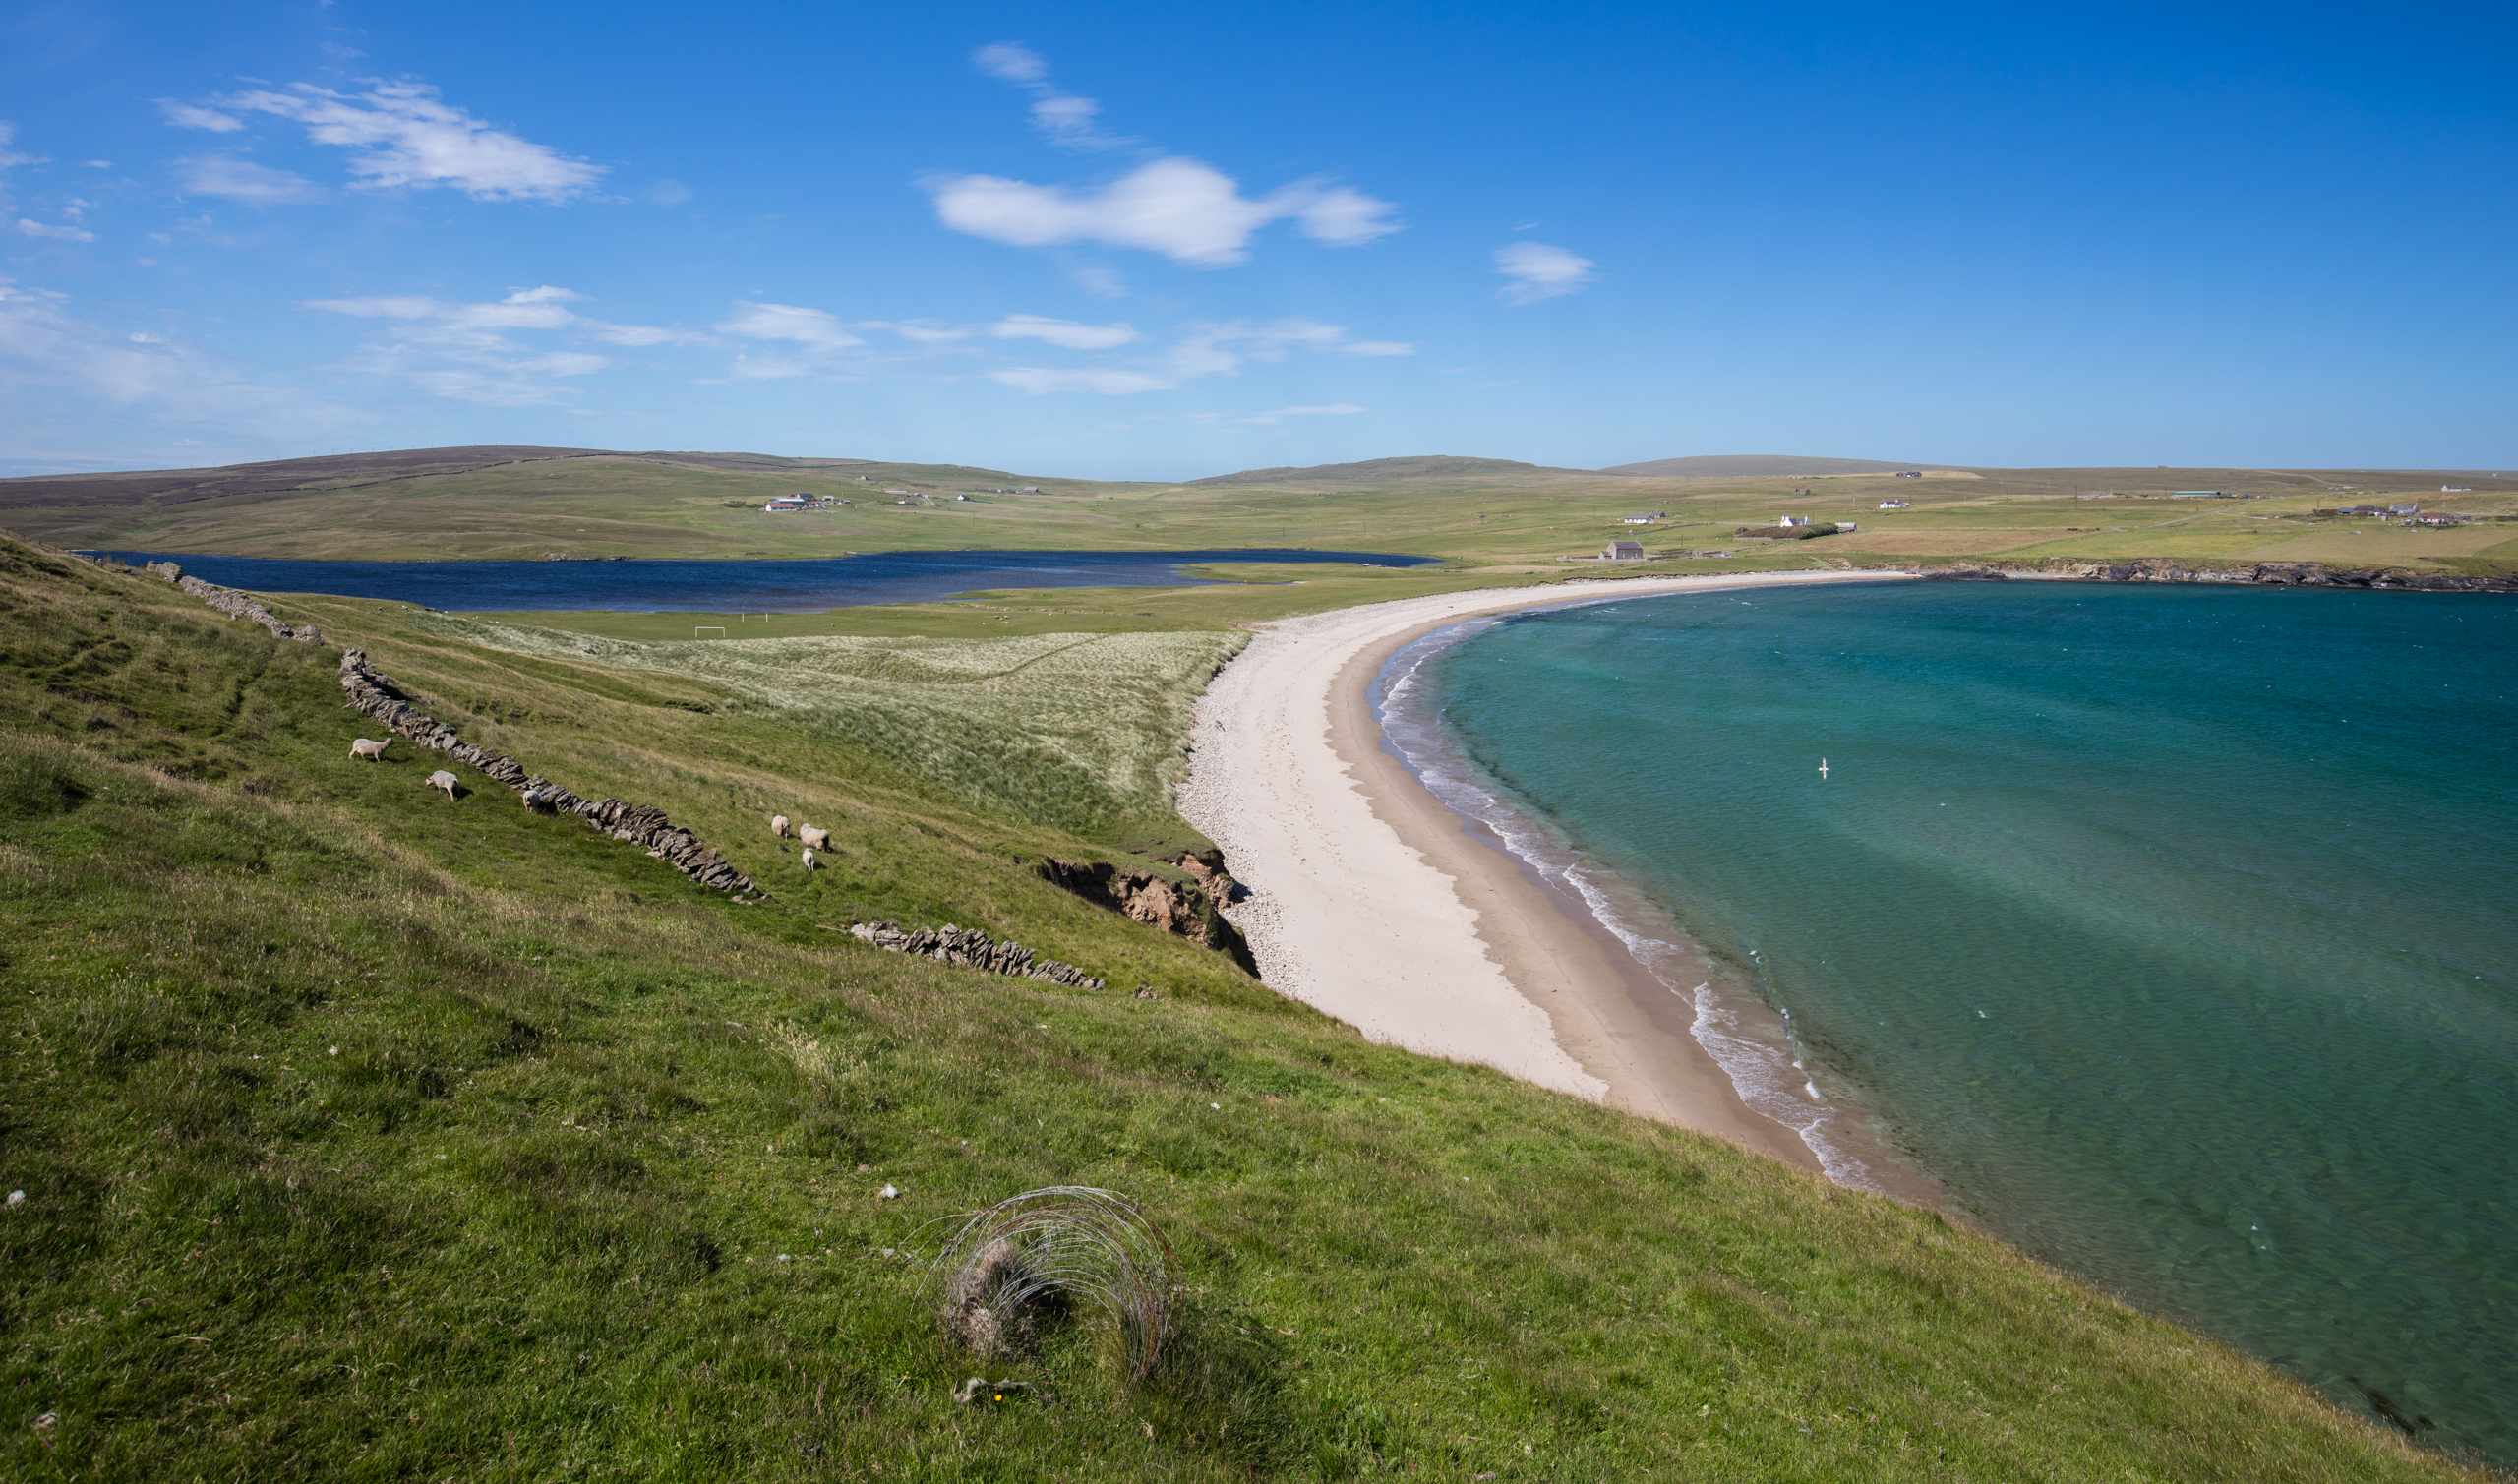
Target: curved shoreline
<point x="1374" y="902"/>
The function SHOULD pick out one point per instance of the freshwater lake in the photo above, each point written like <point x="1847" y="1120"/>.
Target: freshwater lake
<point x="762" y="586"/>
<point x="2171" y="931"/>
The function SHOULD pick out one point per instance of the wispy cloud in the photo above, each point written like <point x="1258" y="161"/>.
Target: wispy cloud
<point x="1274" y="416"/>
<point x="188" y="116"/>
<point x="1066" y="332"/>
<point x="468" y="351"/>
<point x="406" y="135"/>
<point x="1536" y="270"/>
<point x="1038" y="380"/>
<point x="1183" y="208"/>
<point x="817" y="335"/>
<point x="48" y="354"/>
<point x="1061" y="117"/>
<point x="1203" y="349"/>
<point x="27" y="226"/>
<point x="245" y="181"/>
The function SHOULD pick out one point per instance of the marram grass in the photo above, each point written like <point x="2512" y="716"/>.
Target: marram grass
<point x="368" y="1135"/>
<point x="985" y="716"/>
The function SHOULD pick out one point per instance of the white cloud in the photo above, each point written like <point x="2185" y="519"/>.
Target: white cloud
<point x="1066" y="332"/>
<point x="9" y="157"/>
<point x="408" y="137"/>
<point x="58" y="371"/>
<point x="1208" y="349"/>
<point x="1278" y="415"/>
<point x="1061" y="117"/>
<point x="243" y="180"/>
<point x="813" y="329"/>
<point x="1011" y="60"/>
<point x="66" y="234"/>
<point x="1100" y="282"/>
<point x="1185" y="210"/>
<point x="1538" y="272"/>
<point x="1038" y="380"/>
<point x="468" y="351"/>
<point x="186" y="116"/>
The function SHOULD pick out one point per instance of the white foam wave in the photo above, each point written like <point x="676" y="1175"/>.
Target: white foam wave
<point x="1768" y="1080"/>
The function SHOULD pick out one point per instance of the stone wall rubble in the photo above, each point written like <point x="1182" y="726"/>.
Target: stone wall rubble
<point x="641" y="824"/>
<point x="972" y="949"/>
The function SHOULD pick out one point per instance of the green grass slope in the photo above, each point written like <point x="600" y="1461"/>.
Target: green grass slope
<point x="366" y="1134"/>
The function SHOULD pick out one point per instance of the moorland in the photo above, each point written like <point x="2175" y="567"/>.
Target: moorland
<point x="1489" y="516"/>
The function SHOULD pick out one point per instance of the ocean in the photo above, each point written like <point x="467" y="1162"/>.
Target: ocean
<point x="2170" y="932"/>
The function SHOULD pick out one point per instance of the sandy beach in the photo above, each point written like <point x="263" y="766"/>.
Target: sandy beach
<point x="1375" y="903"/>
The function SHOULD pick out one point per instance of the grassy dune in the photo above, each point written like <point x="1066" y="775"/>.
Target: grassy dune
<point x="370" y="1135"/>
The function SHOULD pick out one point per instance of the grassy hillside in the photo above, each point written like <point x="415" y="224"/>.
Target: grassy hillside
<point x="367" y="1134"/>
<point x="1475" y="512"/>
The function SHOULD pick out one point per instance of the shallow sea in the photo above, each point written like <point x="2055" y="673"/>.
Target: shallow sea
<point x="2171" y="931"/>
<point x="763" y="586"/>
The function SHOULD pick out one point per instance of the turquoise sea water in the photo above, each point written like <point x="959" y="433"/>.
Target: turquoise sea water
<point x="2174" y="930"/>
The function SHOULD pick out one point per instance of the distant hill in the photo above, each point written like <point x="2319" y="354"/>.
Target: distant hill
<point x="1750" y="465"/>
<point x="342" y="471"/>
<point x="1420" y="466"/>
<point x="172" y="486"/>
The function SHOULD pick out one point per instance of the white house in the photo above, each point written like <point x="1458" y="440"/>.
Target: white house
<point x="1895" y="504"/>
<point x="1789" y="521"/>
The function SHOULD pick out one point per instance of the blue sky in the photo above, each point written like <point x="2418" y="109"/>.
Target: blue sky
<point x="1142" y="241"/>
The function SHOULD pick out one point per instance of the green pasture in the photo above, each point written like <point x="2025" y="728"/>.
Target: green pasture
<point x="708" y="506"/>
<point x="369" y="1134"/>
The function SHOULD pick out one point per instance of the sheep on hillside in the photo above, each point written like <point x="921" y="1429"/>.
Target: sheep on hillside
<point x="369" y="748"/>
<point x="778" y="825"/>
<point x="817" y="839"/>
<point x="442" y="779"/>
<point x="808" y="862"/>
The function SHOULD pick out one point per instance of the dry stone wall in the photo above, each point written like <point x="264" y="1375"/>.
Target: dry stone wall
<point x="972" y="949"/>
<point x="375" y="696"/>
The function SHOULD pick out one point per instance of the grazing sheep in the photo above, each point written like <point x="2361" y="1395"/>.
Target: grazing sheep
<point x="817" y="839"/>
<point x="442" y="779"/>
<point x="369" y="748"/>
<point x="778" y="825"/>
<point x="808" y="862"/>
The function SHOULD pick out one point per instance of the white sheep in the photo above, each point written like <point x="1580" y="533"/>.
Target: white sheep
<point x="778" y="825"/>
<point x="808" y="862"/>
<point x="442" y="779"/>
<point x="369" y="748"/>
<point x="818" y="839"/>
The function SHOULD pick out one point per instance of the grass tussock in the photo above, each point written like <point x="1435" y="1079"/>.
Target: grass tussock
<point x="366" y="1135"/>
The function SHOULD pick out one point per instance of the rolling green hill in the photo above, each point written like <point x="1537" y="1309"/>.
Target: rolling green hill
<point x="1473" y="513"/>
<point x="368" y="1133"/>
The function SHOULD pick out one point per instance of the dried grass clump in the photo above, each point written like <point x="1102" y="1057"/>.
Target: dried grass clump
<point x="1022" y="1261"/>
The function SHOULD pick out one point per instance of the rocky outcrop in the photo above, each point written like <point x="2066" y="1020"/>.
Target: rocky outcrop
<point x="1184" y="909"/>
<point x="972" y="949"/>
<point x="642" y="824"/>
